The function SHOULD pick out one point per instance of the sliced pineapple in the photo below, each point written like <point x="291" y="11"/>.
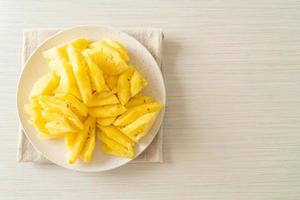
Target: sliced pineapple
<point x="116" y="135"/>
<point x="135" y="112"/>
<point x="89" y="146"/>
<point x="140" y="127"/>
<point x="112" y="83"/>
<point x="137" y="83"/>
<point x="139" y="100"/>
<point x="123" y="87"/>
<point x="45" y="85"/>
<point x="114" y="146"/>
<point x="102" y="99"/>
<point x="80" y="70"/>
<point x="107" y="59"/>
<point x="96" y="74"/>
<point x="60" y="51"/>
<point x="105" y="121"/>
<point x="80" y="141"/>
<point x="107" y="111"/>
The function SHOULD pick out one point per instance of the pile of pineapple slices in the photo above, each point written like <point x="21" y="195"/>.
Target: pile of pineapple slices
<point x="92" y="92"/>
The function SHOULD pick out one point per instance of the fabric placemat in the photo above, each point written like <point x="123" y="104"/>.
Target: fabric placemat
<point x="151" y="38"/>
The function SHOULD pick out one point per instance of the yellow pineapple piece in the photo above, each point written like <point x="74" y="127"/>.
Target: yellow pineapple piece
<point x="107" y="111"/>
<point x="107" y="59"/>
<point x="139" y="100"/>
<point x="105" y="121"/>
<point x="80" y="141"/>
<point x="96" y="74"/>
<point x="75" y="104"/>
<point x="140" y="127"/>
<point x="49" y="103"/>
<point x="70" y="140"/>
<point x="45" y="85"/>
<point x="112" y="82"/>
<point x="61" y="126"/>
<point x="89" y="146"/>
<point x="123" y="87"/>
<point x="135" y="112"/>
<point x="80" y="70"/>
<point x="116" y="152"/>
<point x="116" y="135"/>
<point x="137" y="83"/>
<point x="115" y="146"/>
<point x="68" y="84"/>
<point x="117" y="46"/>
<point x="60" y="52"/>
<point x="102" y="99"/>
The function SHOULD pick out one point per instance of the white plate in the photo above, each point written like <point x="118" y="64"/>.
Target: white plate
<point x="36" y="66"/>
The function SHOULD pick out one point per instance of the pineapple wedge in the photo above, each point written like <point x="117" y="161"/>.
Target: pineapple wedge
<point x="116" y="152"/>
<point x="123" y="87"/>
<point x="80" y="70"/>
<point x="45" y="85"/>
<point x="70" y="139"/>
<point x="96" y="74"/>
<point x="135" y="112"/>
<point x="80" y="140"/>
<point x="60" y="52"/>
<point x="68" y="84"/>
<point x="114" y="146"/>
<point x="140" y="127"/>
<point x="49" y="103"/>
<point x="107" y="59"/>
<point x="76" y="105"/>
<point x="102" y="99"/>
<point x="137" y="83"/>
<point x="107" y="111"/>
<point x="139" y="100"/>
<point x="105" y="121"/>
<point x="114" y="45"/>
<point x="89" y="146"/>
<point x="112" y="82"/>
<point x="58" y="127"/>
<point x="116" y="135"/>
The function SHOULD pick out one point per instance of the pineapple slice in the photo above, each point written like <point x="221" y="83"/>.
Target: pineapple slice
<point x="45" y="85"/>
<point x="70" y="140"/>
<point x="76" y="105"/>
<point x="112" y="82"/>
<point x="96" y="74"/>
<point x="58" y="127"/>
<point x="114" y="146"/>
<point x="107" y="59"/>
<point x="102" y="99"/>
<point x="80" y="70"/>
<point x="134" y="113"/>
<point x="137" y="83"/>
<point x="139" y="100"/>
<point x="105" y="121"/>
<point x="116" y="152"/>
<point x="113" y="45"/>
<point x="60" y="52"/>
<point x="80" y="141"/>
<point x="107" y="111"/>
<point x="116" y="135"/>
<point x="49" y="104"/>
<point x="140" y="127"/>
<point x="123" y="87"/>
<point x="89" y="146"/>
<point x="68" y="84"/>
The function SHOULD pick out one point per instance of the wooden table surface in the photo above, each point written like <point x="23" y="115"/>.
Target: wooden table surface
<point x="232" y="128"/>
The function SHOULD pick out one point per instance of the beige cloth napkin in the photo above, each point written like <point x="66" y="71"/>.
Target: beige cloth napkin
<point x="151" y="38"/>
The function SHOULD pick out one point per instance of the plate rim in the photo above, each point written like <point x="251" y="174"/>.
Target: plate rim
<point x="24" y="64"/>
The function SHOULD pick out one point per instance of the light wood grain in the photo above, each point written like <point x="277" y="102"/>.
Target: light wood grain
<point x="232" y="128"/>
